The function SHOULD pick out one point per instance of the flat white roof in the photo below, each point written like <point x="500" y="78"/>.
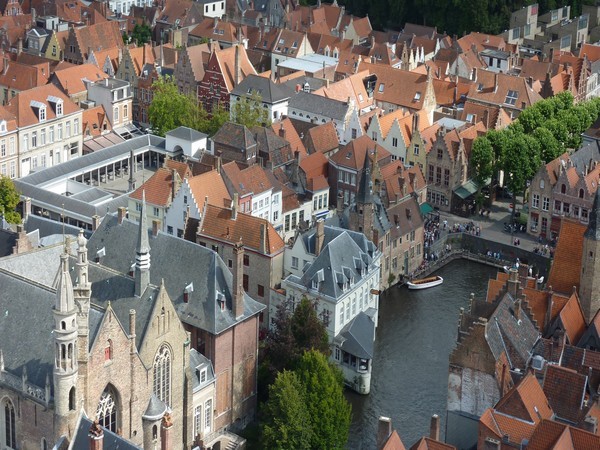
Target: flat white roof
<point x="309" y="63"/>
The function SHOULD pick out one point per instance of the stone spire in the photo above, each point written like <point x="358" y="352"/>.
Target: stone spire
<point x="65" y="302"/>
<point x="142" y="254"/>
<point x="364" y="189"/>
<point x="593" y="230"/>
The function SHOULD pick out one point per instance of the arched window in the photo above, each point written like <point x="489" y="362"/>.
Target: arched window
<point x="8" y="432"/>
<point x="107" y="410"/>
<point x="563" y="188"/>
<point x="162" y="375"/>
<point x="72" y="399"/>
<point x="108" y="351"/>
<point x="581" y="193"/>
<point x="44" y="444"/>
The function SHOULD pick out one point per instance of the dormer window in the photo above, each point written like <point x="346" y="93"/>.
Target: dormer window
<point x="3" y="128"/>
<point x="42" y="114"/>
<point x="58" y="105"/>
<point x="40" y="109"/>
<point x="417" y="97"/>
<point x="511" y="97"/>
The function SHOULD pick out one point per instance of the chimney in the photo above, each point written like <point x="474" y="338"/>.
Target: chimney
<point x="234" y="206"/>
<point x="502" y="382"/>
<point x="411" y="178"/>
<point x="384" y="431"/>
<point x="96" y="435"/>
<point x="486" y="115"/>
<point x="551" y="57"/>
<point x="281" y="131"/>
<point x="238" y="280"/>
<point x="590" y="424"/>
<point x="297" y="156"/>
<point x="218" y="163"/>
<point x="26" y="208"/>
<point x="530" y="82"/>
<point x="513" y="282"/>
<point x="237" y="68"/>
<point x="5" y="63"/>
<point x="517" y="309"/>
<point x="95" y="222"/>
<point x="434" y="428"/>
<point x="121" y="214"/>
<point x="165" y="432"/>
<point x="319" y="236"/>
<point x="19" y="46"/>
<point x="263" y="238"/>
<point x="155" y="227"/>
<point x="340" y="203"/>
<point x="474" y="74"/>
<point x="495" y="82"/>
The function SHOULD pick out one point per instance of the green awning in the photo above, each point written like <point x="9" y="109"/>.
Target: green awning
<point x="466" y="190"/>
<point x="426" y="208"/>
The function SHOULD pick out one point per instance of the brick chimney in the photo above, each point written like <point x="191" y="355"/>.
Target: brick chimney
<point x="340" y="203"/>
<point x="517" y="309"/>
<point x="513" y="282"/>
<point x="434" y="428"/>
<point x="96" y="435"/>
<point x="237" y="68"/>
<point x="238" y="280"/>
<point x="319" y="236"/>
<point x="26" y="208"/>
<point x="95" y="222"/>
<point x="121" y="214"/>
<point x="384" y="431"/>
<point x="281" y="131"/>
<point x="165" y="432"/>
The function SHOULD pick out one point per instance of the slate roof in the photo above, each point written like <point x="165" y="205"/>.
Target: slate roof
<point x="269" y="91"/>
<point x="81" y="440"/>
<point x="234" y="135"/>
<point x="357" y="337"/>
<point x="339" y="260"/>
<point x="277" y="150"/>
<point x="8" y="239"/>
<point x="156" y="408"/>
<point x="198" y="362"/>
<point x="187" y="133"/>
<point x="318" y="104"/>
<point x="196" y="264"/>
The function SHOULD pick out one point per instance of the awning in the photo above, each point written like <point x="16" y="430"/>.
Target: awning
<point x="426" y="208"/>
<point x="467" y="189"/>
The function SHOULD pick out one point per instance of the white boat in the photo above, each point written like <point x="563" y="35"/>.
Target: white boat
<point x="425" y="283"/>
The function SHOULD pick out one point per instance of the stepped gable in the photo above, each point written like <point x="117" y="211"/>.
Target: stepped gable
<point x="566" y="267"/>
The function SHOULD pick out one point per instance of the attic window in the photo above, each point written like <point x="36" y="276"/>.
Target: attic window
<point x="3" y="126"/>
<point x="281" y="41"/>
<point x="511" y="97"/>
<point x="471" y="118"/>
<point x="295" y="44"/>
<point x="381" y="87"/>
<point x="480" y="87"/>
<point x="417" y="97"/>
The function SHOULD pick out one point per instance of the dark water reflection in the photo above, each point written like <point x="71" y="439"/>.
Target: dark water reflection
<point x="417" y="330"/>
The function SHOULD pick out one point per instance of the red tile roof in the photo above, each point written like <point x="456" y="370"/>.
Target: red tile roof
<point x="218" y="224"/>
<point x="551" y="435"/>
<point x="323" y="138"/>
<point x="71" y="79"/>
<point x="211" y="185"/>
<point x="572" y="319"/>
<point x="352" y="155"/>
<point x="566" y="390"/>
<point x="566" y="267"/>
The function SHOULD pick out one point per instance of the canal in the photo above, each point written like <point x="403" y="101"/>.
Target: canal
<point x="416" y="333"/>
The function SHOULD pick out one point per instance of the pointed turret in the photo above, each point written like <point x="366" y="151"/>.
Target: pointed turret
<point x="142" y="254"/>
<point x="65" y="348"/>
<point x="364" y="189"/>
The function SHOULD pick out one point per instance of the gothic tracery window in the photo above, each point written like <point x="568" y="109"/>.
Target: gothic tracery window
<point x="107" y="410"/>
<point x="162" y="375"/>
<point x="9" y="437"/>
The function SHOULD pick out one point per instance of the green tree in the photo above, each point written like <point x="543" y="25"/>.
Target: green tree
<point x="170" y="109"/>
<point x="307" y="328"/>
<point x="286" y="423"/>
<point x="218" y="117"/>
<point x="249" y="111"/>
<point x="329" y="411"/>
<point x="141" y="34"/>
<point x="9" y="199"/>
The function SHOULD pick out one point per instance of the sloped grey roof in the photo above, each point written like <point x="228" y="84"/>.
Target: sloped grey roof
<point x="585" y="154"/>
<point x="269" y="91"/>
<point x="338" y="262"/>
<point x="234" y="135"/>
<point x="179" y="263"/>
<point x="199" y="362"/>
<point x="7" y="241"/>
<point x="187" y="133"/>
<point x="318" y="104"/>
<point x="331" y="232"/>
<point x="155" y="410"/>
<point x="358" y="336"/>
<point x="47" y="227"/>
<point x="505" y="332"/>
<point x="112" y="441"/>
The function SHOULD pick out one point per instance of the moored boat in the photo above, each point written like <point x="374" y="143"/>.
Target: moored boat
<point x="425" y="283"/>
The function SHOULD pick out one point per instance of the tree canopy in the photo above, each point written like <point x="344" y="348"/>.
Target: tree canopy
<point x="9" y="199"/>
<point x="541" y="133"/>
<point x="171" y="109"/>
<point x="249" y="111"/>
<point x="306" y="407"/>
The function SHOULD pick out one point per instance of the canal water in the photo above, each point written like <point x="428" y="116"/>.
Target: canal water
<point x="416" y="333"/>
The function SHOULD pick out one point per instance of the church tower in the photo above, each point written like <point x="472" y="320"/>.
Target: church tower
<point x="65" y="350"/>
<point x="589" y="282"/>
<point x="142" y="256"/>
<point x="82" y="294"/>
<point x="361" y="215"/>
